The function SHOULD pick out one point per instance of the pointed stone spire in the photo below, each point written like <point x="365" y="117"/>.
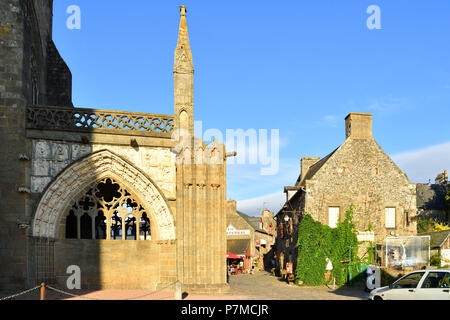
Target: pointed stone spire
<point x="183" y="54"/>
<point x="183" y="71"/>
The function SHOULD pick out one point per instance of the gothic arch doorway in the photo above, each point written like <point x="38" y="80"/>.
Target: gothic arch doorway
<point x="102" y="167"/>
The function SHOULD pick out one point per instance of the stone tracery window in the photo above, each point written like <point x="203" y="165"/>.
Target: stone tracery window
<point x="109" y="211"/>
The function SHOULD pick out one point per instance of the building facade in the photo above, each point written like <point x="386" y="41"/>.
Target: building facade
<point x="251" y="238"/>
<point x="359" y="172"/>
<point x="133" y="199"/>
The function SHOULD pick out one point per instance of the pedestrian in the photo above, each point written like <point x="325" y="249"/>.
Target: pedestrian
<point x="370" y="280"/>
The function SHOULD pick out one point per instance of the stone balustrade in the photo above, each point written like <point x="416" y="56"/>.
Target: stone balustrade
<point x="101" y="121"/>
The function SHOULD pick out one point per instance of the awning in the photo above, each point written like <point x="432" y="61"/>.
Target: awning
<point x="238" y="246"/>
<point x="232" y="256"/>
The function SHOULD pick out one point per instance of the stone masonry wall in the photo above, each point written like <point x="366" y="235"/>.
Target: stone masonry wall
<point x="361" y="173"/>
<point x="116" y="264"/>
<point x="13" y="243"/>
<point x="49" y="158"/>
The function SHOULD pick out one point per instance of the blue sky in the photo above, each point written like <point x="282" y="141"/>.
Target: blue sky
<point x="296" y="66"/>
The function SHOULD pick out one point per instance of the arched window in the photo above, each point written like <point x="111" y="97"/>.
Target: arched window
<point x="100" y="225"/>
<point x="130" y="227"/>
<point x="145" y="233"/>
<point x="107" y="211"/>
<point x="71" y="225"/>
<point x="86" y="226"/>
<point x="116" y="226"/>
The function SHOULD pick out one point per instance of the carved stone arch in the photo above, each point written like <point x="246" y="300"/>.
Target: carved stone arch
<point x="215" y="153"/>
<point x="68" y="184"/>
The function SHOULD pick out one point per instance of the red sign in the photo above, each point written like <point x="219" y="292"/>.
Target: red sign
<point x="289" y="268"/>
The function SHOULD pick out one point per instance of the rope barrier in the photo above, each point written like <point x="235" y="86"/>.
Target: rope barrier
<point x="162" y="289"/>
<point x="70" y="294"/>
<point x="20" y="293"/>
<point x="82" y="296"/>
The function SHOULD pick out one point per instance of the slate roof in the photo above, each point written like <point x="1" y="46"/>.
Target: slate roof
<point x="252" y="221"/>
<point x="238" y="246"/>
<point x="431" y="196"/>
<point x="438" y="238"/>
<point x="314" y="168"/>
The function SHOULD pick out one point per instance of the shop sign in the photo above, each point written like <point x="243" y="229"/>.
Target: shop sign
<point x="232" y="231"/>
<point x="366" y="236"/>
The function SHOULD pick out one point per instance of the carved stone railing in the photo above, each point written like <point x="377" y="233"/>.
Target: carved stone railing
<point x="101" y="121"/>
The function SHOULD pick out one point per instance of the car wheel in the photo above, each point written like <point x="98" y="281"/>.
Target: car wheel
<point x="377" y="298"/>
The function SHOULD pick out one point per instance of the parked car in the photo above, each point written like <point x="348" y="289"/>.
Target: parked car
<point x="417" y="285"/>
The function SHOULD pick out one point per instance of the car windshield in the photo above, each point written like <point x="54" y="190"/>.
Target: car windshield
<point x="408" y="282"/>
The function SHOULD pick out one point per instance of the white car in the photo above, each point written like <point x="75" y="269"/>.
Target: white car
<point x="417" y="285"/>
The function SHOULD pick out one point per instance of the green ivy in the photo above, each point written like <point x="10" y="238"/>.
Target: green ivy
<point x="316" y="242"/>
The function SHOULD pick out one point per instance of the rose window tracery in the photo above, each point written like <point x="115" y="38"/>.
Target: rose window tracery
<point x="109" y="211"/>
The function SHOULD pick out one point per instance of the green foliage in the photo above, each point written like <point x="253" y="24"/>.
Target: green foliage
<point x="316" y="242"/>
<point x="429" y="225"/>
<point x="435" y="260"/>
<point x="312" y="251"/>
<point x="424" y="225"/>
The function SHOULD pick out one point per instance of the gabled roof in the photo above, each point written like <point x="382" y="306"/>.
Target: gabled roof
<point x="252" y="221"/>
<point x="438" y="238"/>
<point x="314" y="168"/>
<point x="431" y="196"/>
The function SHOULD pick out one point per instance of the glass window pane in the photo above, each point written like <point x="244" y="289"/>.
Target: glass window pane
<point x="409" y="282"/>
<point x="436" y="280"/>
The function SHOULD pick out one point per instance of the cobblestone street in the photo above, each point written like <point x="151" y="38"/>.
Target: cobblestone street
<point x="260" y="286"/>
<point x="264" y="286"/>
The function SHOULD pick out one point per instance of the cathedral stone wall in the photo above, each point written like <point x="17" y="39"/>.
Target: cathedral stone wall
<point x="49" y="158"/>
<point x="51" y="152"/>
<point x="113" y="264"/>
<point x="13" y="242"/>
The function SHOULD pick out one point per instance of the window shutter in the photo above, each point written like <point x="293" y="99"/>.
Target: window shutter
<point x="390" y="217"/>
<point x="333" y="217"/>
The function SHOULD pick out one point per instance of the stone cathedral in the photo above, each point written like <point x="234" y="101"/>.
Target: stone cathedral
<point x="133" y="199"/>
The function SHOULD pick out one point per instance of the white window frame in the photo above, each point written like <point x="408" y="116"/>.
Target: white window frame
<point x="333" y="213"/>
<point x="390" y="217"/>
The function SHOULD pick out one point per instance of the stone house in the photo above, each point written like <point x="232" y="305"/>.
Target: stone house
<point x="431" y="202"/>
<point x="249" y="237"/>
<point x="131" y="198"/>
<point x="440" y="244"/>
<point x="358" y="172"/>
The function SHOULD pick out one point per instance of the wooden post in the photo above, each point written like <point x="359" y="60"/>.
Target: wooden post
<point x="42" y="291"/>
<point x="178" y="293"/>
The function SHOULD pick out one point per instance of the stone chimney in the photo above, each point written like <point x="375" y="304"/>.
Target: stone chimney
<point x="231" y="206"/>
<point x="307" y="163"/>
<point x="358" y="126"/>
